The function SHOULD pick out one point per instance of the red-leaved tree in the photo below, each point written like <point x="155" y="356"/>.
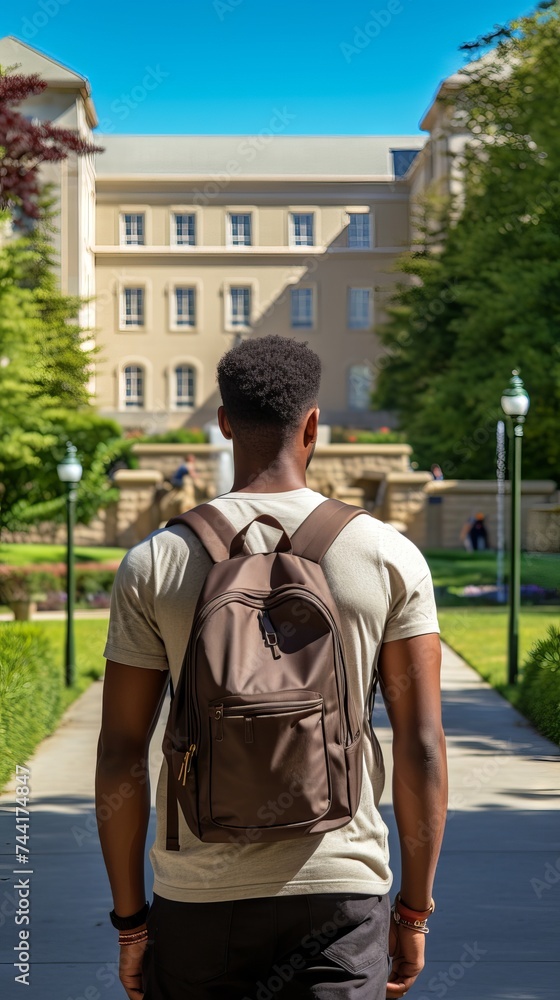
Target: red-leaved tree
<point x="25" y="144"/>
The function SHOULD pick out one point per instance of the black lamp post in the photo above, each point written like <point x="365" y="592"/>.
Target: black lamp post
<point x="70" y="472"/>
<point x="515" y="404"/>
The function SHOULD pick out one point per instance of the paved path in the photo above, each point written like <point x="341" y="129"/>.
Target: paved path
<point x="494" y="935"/>
<point x="59" y="616"/>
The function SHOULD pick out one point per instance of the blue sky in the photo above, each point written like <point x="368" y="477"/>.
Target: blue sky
<point x="224" y="66"/>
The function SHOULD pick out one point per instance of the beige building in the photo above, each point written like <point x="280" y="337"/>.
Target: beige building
<point x="184" y="243"/>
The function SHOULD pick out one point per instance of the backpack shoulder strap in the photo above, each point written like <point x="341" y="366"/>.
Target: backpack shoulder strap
<point x="211" y="527"/>
<point x="318" y="531"/>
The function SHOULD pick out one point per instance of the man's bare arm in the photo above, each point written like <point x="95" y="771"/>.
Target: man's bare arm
<point x="132" y="698"/>
<point x="410" y="685"/>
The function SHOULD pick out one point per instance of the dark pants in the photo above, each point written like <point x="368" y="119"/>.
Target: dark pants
<point x="314" y="945"/>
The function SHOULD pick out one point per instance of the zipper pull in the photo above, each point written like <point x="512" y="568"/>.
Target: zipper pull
<point x="183" y="768"/>
<point x="191" y="752"/>
<point x="186" y="763"/>
<point x="270" y="636"/>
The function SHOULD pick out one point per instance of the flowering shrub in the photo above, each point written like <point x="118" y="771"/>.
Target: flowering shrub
<point x="383" y="435"/>
<point x="46" y="583"/>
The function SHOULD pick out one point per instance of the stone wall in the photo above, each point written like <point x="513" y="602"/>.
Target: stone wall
<point x="543" y="528"/>
<point x="377" y="477"/>
<point x="333" y="466"/>
<point x="451" y="502"/>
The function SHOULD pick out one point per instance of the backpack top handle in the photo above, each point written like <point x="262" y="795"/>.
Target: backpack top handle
<point x="284" y="542"/>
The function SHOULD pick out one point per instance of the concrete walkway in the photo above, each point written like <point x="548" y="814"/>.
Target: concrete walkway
<point x="496" y="930"/>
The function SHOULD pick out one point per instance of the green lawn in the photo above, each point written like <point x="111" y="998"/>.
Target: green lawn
<point x="479" y="635"/>
<point x="457" y="568"/>
<point x="24" y="554"/>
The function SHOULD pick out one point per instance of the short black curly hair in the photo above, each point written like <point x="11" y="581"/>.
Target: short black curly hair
<point x="268" y="383"/>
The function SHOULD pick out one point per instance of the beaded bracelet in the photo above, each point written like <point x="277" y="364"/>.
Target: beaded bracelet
<point x="417" y="925"/>
<point x="136" y="937"/>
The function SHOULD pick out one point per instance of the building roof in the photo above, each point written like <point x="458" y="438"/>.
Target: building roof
<point x="14" y="52"/>
<point x="364" y="157"/>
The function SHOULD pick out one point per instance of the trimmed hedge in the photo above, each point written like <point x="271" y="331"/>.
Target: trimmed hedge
<point x="539" y="691"/>
<point x="31" y="686"/>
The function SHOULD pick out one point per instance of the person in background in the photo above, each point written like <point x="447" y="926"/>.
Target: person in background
<point x="187" y="468"/>
<point x="436" y="471"/>
<point x="478" y="533"/>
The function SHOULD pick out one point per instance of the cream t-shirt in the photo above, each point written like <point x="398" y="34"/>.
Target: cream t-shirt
<point x="383" y="589"/>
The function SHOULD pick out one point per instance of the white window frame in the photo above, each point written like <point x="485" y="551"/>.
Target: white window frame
<point x="235" y="286"/>
<point x="176" y="324"/>
<point x="132" y="242"/>
<point x="359" y="320"/>
<point x="132" y="287"/>
<point x="295" y="240"/>
<point x="349" y="370"/>
<point x="361" y="243"/>
<point x="233" y="241"/>
<point x="294" y="324"/>
<point x="175" y="241"/>
<point x="176" y="405"/>
<point x="124" y="406"/>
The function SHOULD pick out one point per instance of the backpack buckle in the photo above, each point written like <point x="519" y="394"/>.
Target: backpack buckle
<point x="270" y="636"/>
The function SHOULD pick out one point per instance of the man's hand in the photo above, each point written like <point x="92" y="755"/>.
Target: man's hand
<point x="406" y="948"/>
<point x="130" y="969"/>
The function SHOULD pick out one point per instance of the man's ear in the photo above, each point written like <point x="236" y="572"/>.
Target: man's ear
<point x="312" y="425"/>
<point x="224" y="423"/>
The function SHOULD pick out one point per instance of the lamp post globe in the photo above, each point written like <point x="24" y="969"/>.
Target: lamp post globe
<point x="70" y="469"/>
<point x="515" y="399"/>
<point x="70" y="472"/>
<point x="515" y="404"/>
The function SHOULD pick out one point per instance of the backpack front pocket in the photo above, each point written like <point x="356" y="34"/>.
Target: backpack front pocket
<point x="269" y="763"/>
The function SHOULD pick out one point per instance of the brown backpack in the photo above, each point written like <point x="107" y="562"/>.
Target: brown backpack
<point x="263" y="740"/>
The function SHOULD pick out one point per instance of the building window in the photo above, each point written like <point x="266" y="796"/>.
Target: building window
<point x="185" y="307"/>
<point x="133" y="384"/>
<point x="132" y="229"/>
<point x="240" y="307"/>
<point x="359" y="230"/>
<point x="185" y="386"/>
<point x="240" y="230"/>
<point x="301" y="229"/>
<point x="360" y="302"/>
<point x="185" y="229"/>
<point x="302" y="308"/>
<point x="360" y="387"/>
<point x="133" y="307"/>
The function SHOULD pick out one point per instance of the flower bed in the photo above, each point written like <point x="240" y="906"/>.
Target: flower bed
<point x="44" y="585"/>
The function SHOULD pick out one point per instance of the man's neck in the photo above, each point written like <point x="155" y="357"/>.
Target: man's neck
<point x="264" y="483"/>
<point x="280" y="475"/>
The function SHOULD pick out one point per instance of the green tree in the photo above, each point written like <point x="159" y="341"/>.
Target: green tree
<point x="44" y="399"/>
<point x="485" y="291"/>
<point x="45" y="363"/>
